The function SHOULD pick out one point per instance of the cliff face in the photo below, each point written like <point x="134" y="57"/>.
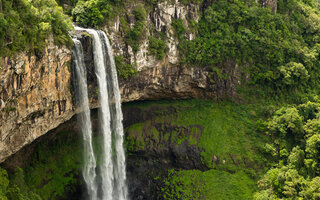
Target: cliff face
<point x="36" y="93"/>
<point x="34" y="96"/>
<point x="167" y="78"/>
<point x="159" y="19"/>
<point x="176" y="82"/>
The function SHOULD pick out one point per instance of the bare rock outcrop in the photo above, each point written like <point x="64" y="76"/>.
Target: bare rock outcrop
<point x="35" y="96"/>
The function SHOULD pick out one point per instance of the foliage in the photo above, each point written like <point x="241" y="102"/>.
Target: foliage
<point x="16" y="188"/>
<point x="179" y="29"/>
<point x="51" y="172"/>
<point x="67" y="5"/>
<point x="92" y="13"/>
<point x="280" y="49"/>
<point x="124" y="69"/>
<point x="212" y="184"/>
<point x="293" y="73"/>
<point x="219" y="135"/>
<point x="4" y="182"/>
<point x="157" y="47"/>
<point x="296" y="175"/>
<point x="286" y="120"/>
<point x="54" y="168"/>
<point x="135" y="35"/>
<point x="191" y="1"/>
<point x="24" y="25"/>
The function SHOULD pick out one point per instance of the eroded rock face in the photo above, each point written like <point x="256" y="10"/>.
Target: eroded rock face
<point x="36" y="93"/>
<point x="166" y="78"/>
<point x="171" y="81"/>
<point x="159" y="19"/>
<point x="35" y="96"/>
<point x="176" y="82"/>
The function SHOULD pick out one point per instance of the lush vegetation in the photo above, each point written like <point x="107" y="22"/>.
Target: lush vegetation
<point x="93" y="13"/>
<point x="275" y="144"/>
<point x="157" y="47"/>
<point x="124" y="69"/>
<point x="239" y="149"/>
<point x="135" y="35"/>
<point x="212" y="184"/>
<point x="56" y="166"/>
<point x="280" y="50"/>
<point x="24" y="25"/>
<point x="296" y="133"/>
<point x="219" y="135"/>
<point x="52" y="171"/>
<point x="96" y="13"/>
<point x="16" y="188"/>
<point x="280" y="145"/>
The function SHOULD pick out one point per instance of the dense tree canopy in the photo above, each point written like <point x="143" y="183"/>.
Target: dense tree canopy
<point x="24" y="25"/>
<point x="281" y="49"/>
<point x="296" y="146"/>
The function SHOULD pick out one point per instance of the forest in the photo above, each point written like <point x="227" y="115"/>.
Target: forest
<point x="277" y="109"/>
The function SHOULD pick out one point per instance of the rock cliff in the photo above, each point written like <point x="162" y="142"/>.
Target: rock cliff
<point x="36" y="92"/>
<point x="35" y="96"/>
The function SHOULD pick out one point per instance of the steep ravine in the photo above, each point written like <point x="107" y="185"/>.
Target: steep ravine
<point x="220" y="98"/>
<point x="161" y="138"/>
<point x="36" y="93"/>
<point x="38" y="112"/>
<point x="143" y="165"/>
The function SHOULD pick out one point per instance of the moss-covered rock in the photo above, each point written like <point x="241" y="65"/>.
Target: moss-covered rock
<point x="206" y="149"/>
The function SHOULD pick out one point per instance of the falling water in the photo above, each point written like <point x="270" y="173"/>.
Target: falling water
<point x="112" y="168"/>
<point x="88" y="172"/>
<point x="100" y="70"/>
<point x="117" y="127"/>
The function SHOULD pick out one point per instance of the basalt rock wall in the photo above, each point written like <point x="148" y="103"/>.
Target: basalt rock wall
<point x="36" y="93"/>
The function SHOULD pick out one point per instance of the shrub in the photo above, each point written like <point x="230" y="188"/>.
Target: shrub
<point x="24" y="25"/>
<point x="296" y="175"/>
<point x="92" y="13"/>
<point x="135" y="35"/>
<point x="157" y="47"/>
<point x="124" y="69"/>
<point x="293" y="73"/>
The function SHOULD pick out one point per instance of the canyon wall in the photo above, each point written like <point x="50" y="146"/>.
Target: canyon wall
<point x="36" y="93"/>
<point x="35" y="96"/>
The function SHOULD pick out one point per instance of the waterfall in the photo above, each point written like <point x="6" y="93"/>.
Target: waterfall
<point x="112" y="166"/>
<point x="88" y="172"/>
<point x="117" y="127"/>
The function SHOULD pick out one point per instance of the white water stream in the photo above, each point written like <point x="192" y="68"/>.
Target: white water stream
<point x="89" y="169"/>
<point x="113" y="165"/>
<point x="117" y="127"/>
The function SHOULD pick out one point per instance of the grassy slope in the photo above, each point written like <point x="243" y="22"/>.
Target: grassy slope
<point x="212" y="184"/>
<point x="229" y="130"/>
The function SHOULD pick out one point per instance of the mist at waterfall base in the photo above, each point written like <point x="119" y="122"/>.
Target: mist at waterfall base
<point x="106" y="180"/>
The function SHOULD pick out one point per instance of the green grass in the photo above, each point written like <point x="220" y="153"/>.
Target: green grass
<point x="231" y="132"/>
<point x="212" y="184"/>
<point x="135" y="143"/>
<point x="229" y="129"/>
